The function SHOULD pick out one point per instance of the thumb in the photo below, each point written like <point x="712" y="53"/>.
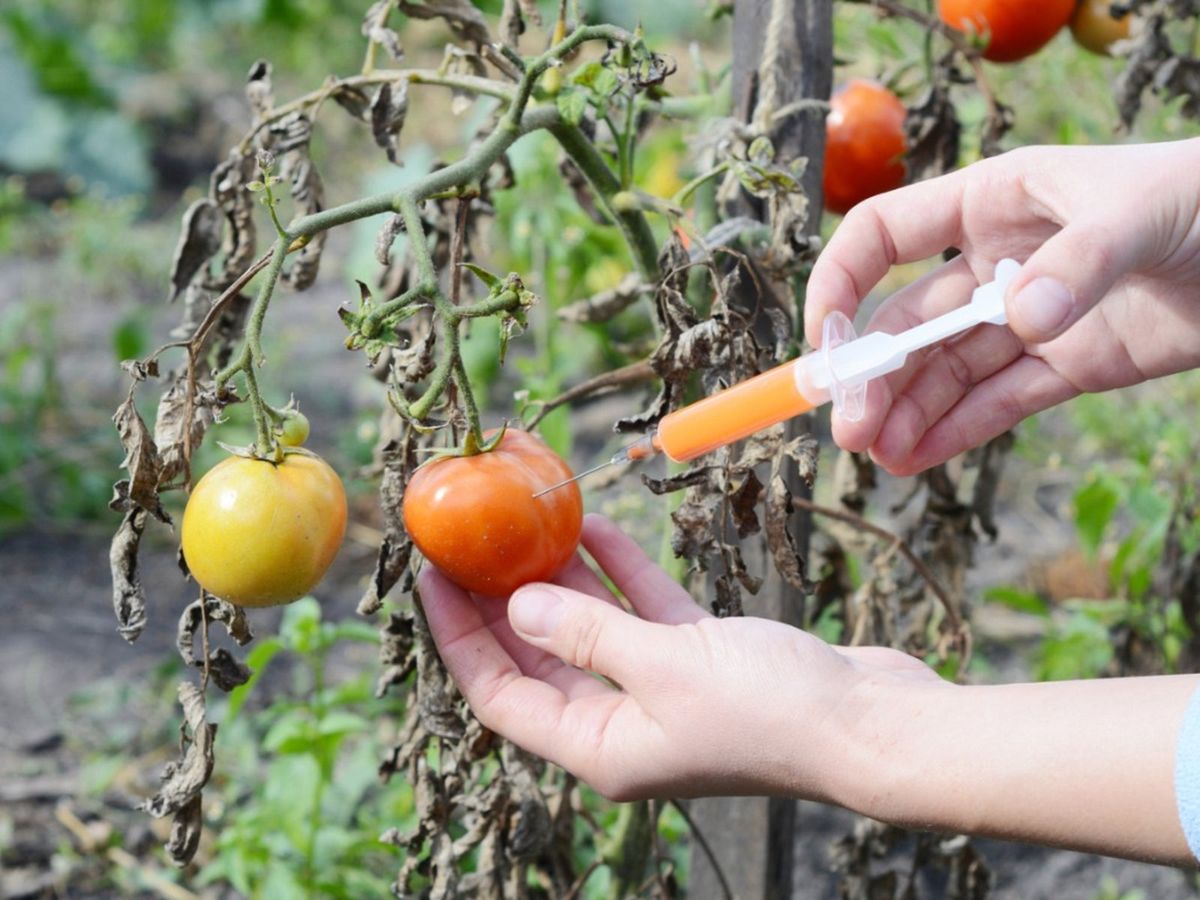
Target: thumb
<point x="1065" y="278"/>
<point x="580" y="629"/>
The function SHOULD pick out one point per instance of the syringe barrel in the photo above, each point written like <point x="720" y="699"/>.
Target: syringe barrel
<point x="774" y="396"/>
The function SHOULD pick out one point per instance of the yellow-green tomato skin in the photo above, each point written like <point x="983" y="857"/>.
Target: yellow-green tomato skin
<point x="257" y="533"/>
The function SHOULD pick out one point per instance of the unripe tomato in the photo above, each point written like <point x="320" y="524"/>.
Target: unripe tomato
<point x="1094" y="27"/>
<point x="293" y="430"/>
<point x="476" y="519"/>
<point x="864" y="144"/>
<point x="258" y="533"/>
<point x="1013" y="29"/>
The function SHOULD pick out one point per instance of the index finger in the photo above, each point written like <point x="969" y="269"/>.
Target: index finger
<point x="905" y="225"/>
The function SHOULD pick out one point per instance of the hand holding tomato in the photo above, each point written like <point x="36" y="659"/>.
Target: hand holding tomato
<point x="259" y="533"/>
<point x="692" y="705"/>
<point x="476" y="519"/>
<point x="1106" y="296"/>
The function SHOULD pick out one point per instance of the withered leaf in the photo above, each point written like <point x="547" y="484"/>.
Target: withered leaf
<point x="227" y="188"/>
<point x="139" y="369"/>
<point x="258" y="89"/>
<point x="129" y="599"/>
<point x="464" y="19"/>
<point x="375" y="28"/>
<point x="184" y="779"/>
<point x="932" y="128"/>
<point x="395" y="550"/>
<point x="226" y="670"/>
<point x="388" y="111"/>
<point x="172" y="435"/>
<point x="743" y="501"/>
<point x="354" y="100"/>
<point x="392" y="226"/>
<point x="199" y="240"/>
<point x="289" y="138"/>
<point x="606" y="305"/>
<point x="672" y="483"/>
<point x="186" y="826"/>
<point x="141" y="460"/>
<point x="780" y="542"/>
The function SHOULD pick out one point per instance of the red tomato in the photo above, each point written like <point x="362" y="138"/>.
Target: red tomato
<point x="864" y="144"/>
<point x="1013" y="29"/>
<point x="476" y="519"/>
<point x="1094" y="27"/>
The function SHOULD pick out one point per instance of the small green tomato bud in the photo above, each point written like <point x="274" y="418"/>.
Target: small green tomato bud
<point x="293" y="430"/>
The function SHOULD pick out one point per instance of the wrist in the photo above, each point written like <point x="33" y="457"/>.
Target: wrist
<point x="893" y="727"/>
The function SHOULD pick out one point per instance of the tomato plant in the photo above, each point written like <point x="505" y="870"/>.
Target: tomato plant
<point x="476" y="519"/>
<point x="260" y="533"/>
<point x="1095" y="27"/>
<point x="1012" y="29"/>
<point x="864" y="144"/>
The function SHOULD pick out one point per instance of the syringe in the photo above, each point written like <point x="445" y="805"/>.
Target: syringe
<point x="839" y="372"/>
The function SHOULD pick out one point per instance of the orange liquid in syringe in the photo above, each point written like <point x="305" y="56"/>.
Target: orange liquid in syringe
<point x="732" y="414"/>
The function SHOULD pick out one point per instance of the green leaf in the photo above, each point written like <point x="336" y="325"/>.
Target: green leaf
<point x="291" y="733"/>
<point x="1022" y="601"/>
<point x="491" y="279"/>
<point x="1095" y="504"/>
<point x="341" y="723"/>
<point x="300" y="628"/>
<point x="572" y="104"/>
<point x="130" y="339"/>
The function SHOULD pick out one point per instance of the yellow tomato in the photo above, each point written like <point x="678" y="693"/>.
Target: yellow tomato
<point x="257" y="533"/>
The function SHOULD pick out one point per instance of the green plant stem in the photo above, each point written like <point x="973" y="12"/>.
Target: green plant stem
<point x="680" y="197"/>
<point x="470" y="407"/>
<point x="314" y="825"/>
<point x="505" y="301"/>
<point x="632" y="222"/>
<point x="627" y="136"/>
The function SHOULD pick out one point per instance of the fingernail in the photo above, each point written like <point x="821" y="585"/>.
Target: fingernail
<point x="1044" y="304"/>
<point x="535" y="611"/>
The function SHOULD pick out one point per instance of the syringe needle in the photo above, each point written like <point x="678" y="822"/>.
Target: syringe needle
<point x="564" y="483"/>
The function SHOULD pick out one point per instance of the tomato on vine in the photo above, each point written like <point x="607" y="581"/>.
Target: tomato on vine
<point x="261" y="533"/>
<point x="864" y="144"/>
<point x="476" y="519"/>
<point x="1012" y="29"/>
<point x="1094" y="27"/>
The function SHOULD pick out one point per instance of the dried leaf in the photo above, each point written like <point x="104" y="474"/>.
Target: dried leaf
<point x="743" y="503"/>
<point x="933" y="131"/>
<point x="129" y="599"/>
<point x="392" y="226"/>
<point x="513" y="19"/>
<point x="227" y="188"/>
<point x="289" y="139"/>
<point x="789" y="562"/>
<point x="395" y="551"/>
<point x="186" y="827"/>
<point x="258" y="89"/>
<point x="606" y="305"/>
<point x="199" y="240"/>
<point x="375" y="29"/>
<point x="388" y="111"/>
<point x="467" y="22"/>
<point x="141" y="460"/>
<point x="183" y="780"/>
<point x="175" y="440"/>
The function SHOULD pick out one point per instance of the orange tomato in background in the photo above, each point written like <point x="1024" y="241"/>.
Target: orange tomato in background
<point x="476" y="519"/>
<point x="1094" y="27"/>
<point x="864" y="144"/>
<point x="1014" y="29"/>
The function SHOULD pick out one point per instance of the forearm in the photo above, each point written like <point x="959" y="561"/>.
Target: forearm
<point x="1087" y="765"/>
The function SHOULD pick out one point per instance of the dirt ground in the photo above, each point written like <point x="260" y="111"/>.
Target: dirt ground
<point x="59" y="637"/>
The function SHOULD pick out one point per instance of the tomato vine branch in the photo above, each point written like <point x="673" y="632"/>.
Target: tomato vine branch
<point x="516" y="121"/>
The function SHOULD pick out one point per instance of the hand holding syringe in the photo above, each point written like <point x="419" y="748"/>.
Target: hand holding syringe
<point x="839" y="372"/>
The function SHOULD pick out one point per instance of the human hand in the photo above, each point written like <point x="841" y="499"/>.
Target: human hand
<point x="1107" y="295"/>
<point x="693" y="706"/>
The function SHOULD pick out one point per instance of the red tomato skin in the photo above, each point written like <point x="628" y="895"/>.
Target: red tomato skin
<point x="476" y="519"/>
<point x="1016" y="28"/>
<point x="864" y="144"/>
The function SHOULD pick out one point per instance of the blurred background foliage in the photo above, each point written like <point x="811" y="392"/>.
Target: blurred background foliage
<point x="114" y="111"/>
